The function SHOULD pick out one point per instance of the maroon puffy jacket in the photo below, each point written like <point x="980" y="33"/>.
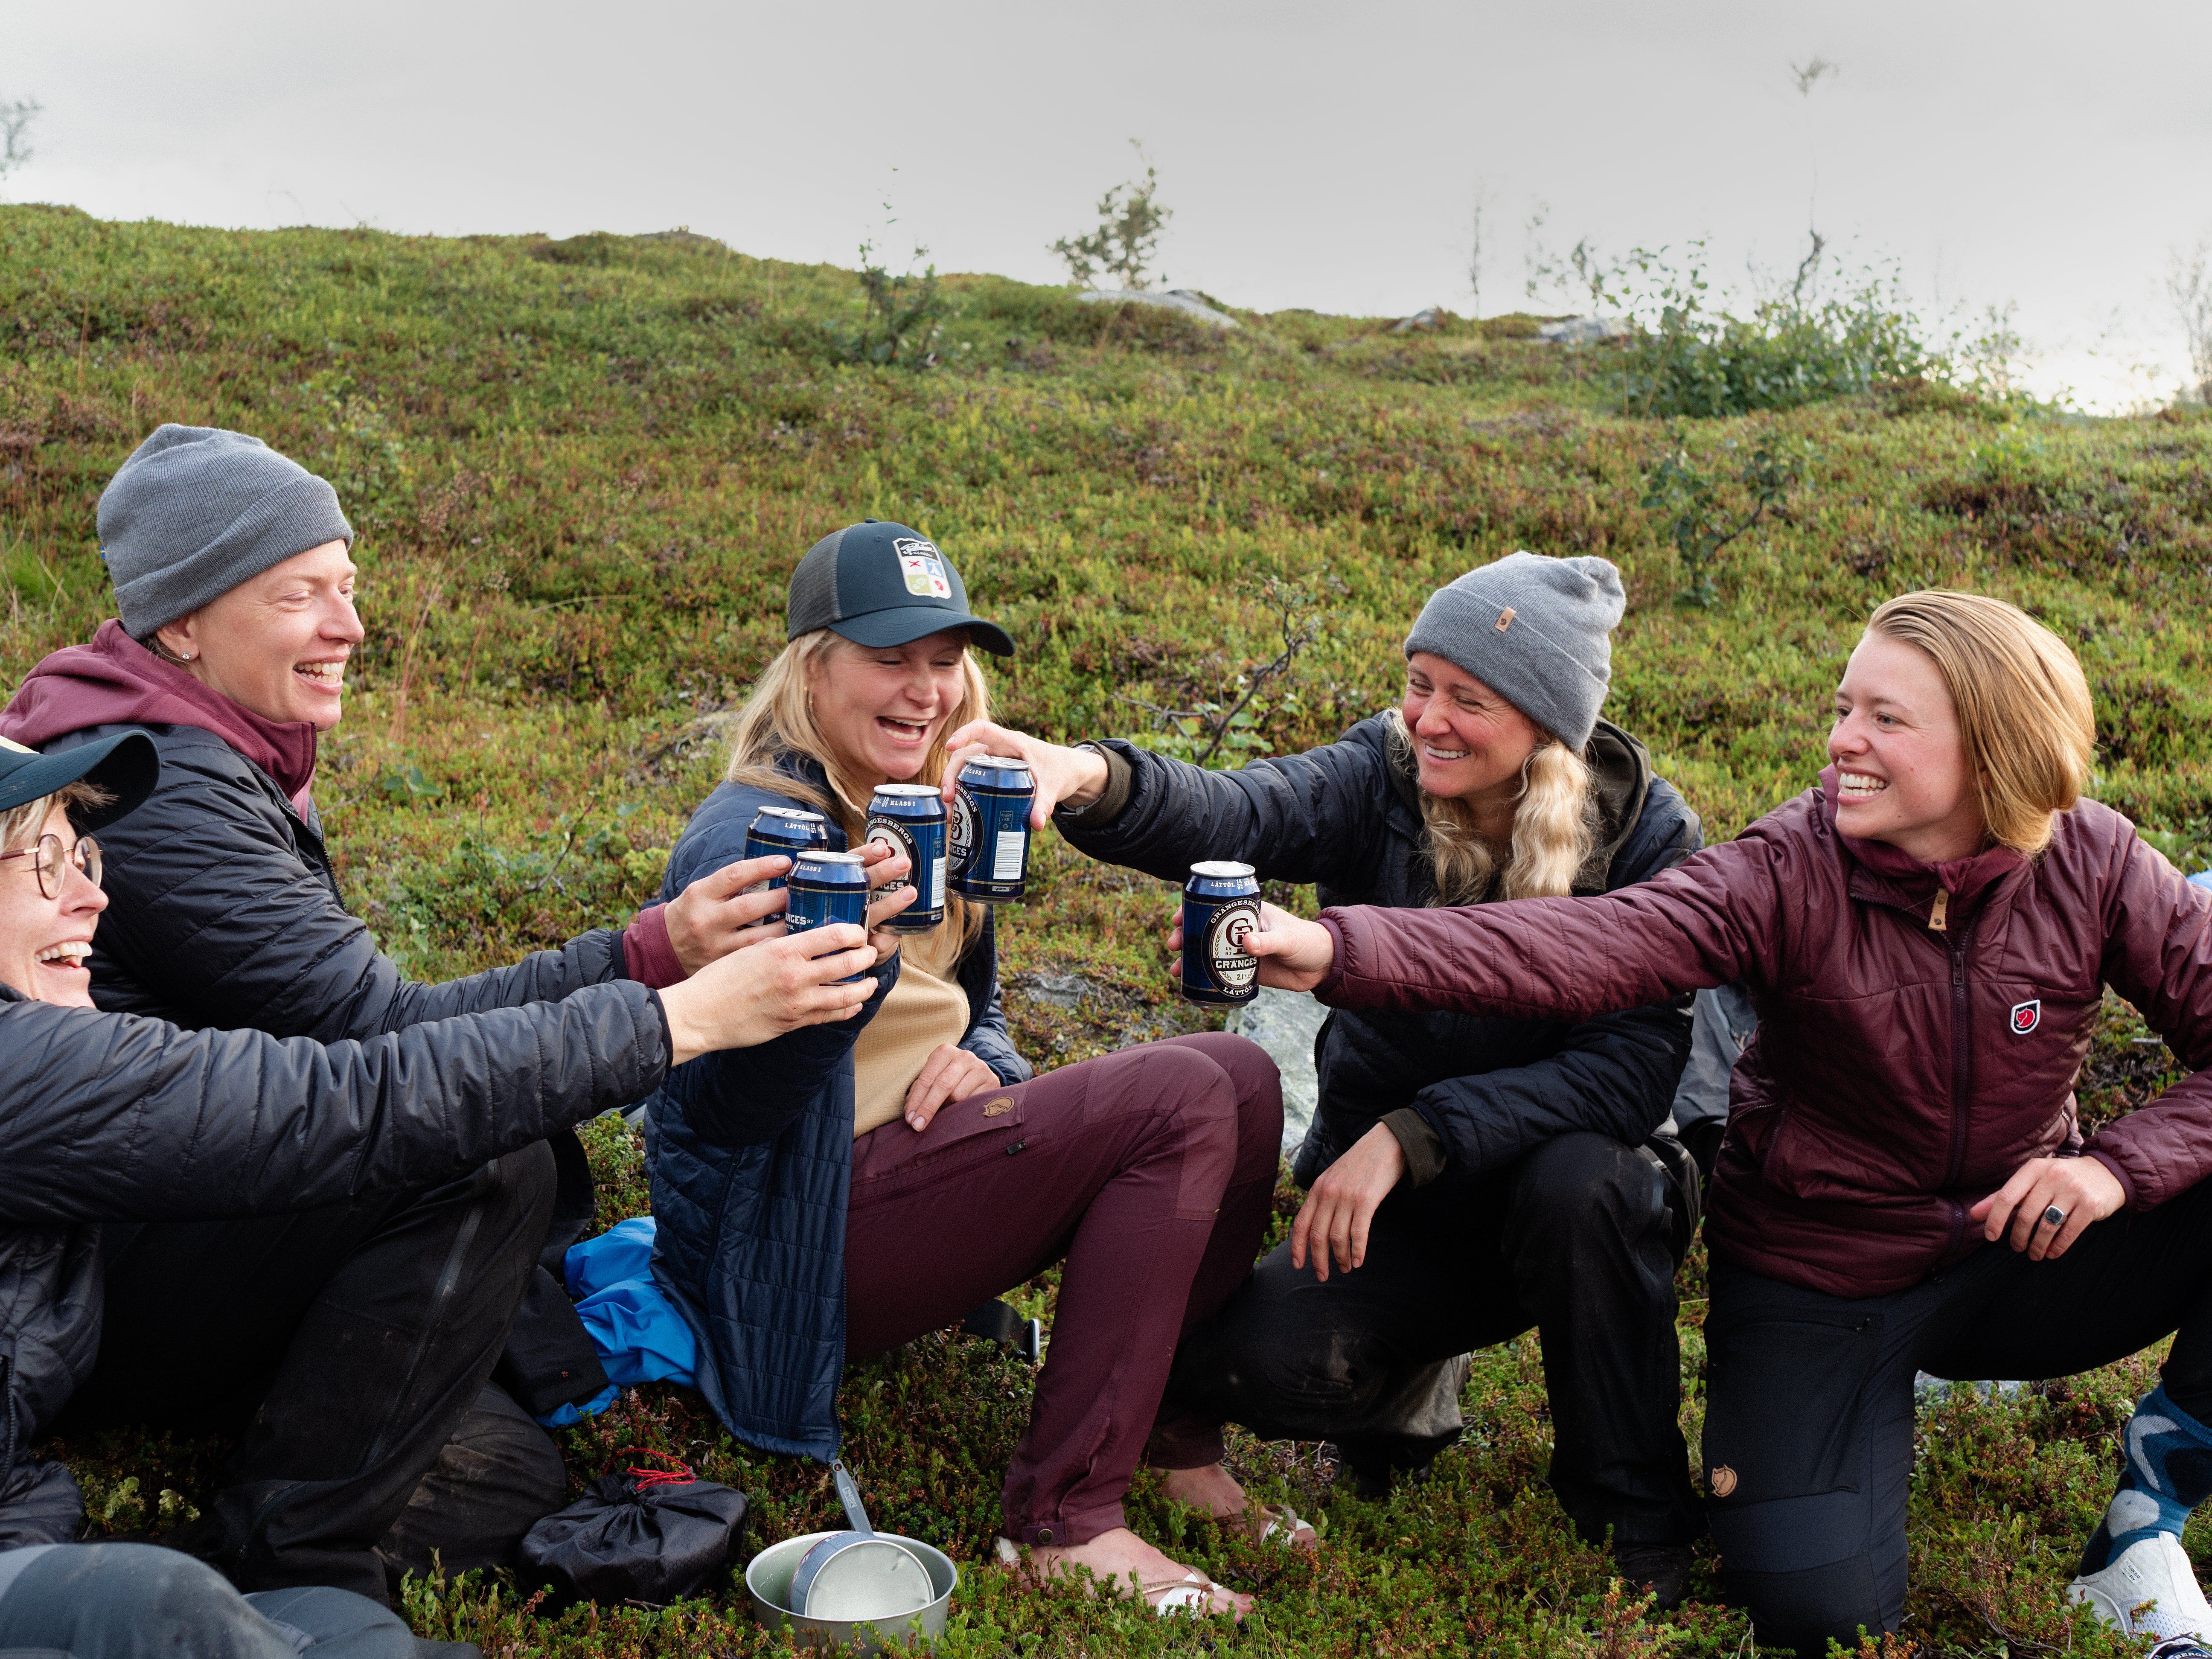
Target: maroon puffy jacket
<point x="1910" y="1055"/>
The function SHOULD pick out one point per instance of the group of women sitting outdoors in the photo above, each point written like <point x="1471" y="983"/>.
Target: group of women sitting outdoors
<point x="253" y="1178"/>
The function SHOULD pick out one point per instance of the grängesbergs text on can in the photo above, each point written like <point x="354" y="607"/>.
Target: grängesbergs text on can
<point x="825" y="888"/>
<point x="990" y="839"/>
<point x="1220" y="905"/>
<point x="909" y="818"/>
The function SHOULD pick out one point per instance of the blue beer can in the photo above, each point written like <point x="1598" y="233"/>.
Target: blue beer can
<point x="990" y="838"/>
<point x="828" y="887"/>
<point x="909" y="819"/>
<point x="785" y="830"/>
<point x="1220" y="905"/>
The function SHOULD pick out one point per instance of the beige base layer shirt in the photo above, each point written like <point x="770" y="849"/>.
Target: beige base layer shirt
<point x="926" y="1009"/>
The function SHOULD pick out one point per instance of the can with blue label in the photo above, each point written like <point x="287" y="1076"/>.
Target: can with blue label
<point x="1220" y="905"/>
<point x="909" y="818"/>
<point x="825" y="888"/>
<point x="990" y="838"/>
<point x="785" y="830"/>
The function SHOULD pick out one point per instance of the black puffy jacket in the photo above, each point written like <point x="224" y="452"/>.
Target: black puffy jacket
<point x="110" y="1117"/>
<point x="1347" y="817"/>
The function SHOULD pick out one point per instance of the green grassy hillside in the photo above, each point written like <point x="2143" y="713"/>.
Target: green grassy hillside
<point x="584" y="471"/>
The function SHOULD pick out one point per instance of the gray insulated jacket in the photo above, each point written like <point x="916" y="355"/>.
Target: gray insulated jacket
<point x="1464" y="1094"/>
<point x="750" y="1157"/>
<point x="115" y="1117"/>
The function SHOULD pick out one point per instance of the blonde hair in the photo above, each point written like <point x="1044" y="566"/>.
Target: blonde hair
<point x="1554" y="826"/>
<point x="21" y="825"/>
<point x="777" y="724"/>
<point x="2024" y="717"/>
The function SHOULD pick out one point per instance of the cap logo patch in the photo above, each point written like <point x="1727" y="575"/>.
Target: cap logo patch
<point x="1505" y="619"/>
<point x="923" y="566"/>
<point x="2026" y="1016"/>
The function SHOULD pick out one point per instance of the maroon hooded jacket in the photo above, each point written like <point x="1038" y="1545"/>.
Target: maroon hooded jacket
<point x="1910" y="1054"/>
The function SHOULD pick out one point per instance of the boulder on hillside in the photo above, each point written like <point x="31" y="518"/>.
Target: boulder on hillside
<point x="1585" y="330"/>
<point x="1176" y="299"/>
<point x="1432" y="317"/>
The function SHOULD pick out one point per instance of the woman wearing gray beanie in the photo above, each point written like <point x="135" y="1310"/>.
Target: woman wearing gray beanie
<point x="234" y="584"/>
<point x="1470" y="1178"/>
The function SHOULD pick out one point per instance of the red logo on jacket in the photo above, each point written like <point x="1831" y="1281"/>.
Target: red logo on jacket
<point x="2026" y="1016"/>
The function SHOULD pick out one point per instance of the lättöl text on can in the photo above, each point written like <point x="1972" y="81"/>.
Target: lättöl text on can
<point x="825" y="888"/>
<point x="1220" y="905"/>
<point x="909" y="818"/>
<point x="991" y="828"/>
<point x="788" y="830"/>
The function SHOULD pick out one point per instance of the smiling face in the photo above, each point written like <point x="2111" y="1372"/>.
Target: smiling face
<point x="1902" y="772"/>
<point x="43" y="941"/>
<point x="880" y="708"/>
<point x="1471" y="743"/>
<point x="278" y="642"/>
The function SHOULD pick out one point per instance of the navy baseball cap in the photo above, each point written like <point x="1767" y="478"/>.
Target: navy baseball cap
<point x="126" y="767"/>
<point x="883" y="584"/>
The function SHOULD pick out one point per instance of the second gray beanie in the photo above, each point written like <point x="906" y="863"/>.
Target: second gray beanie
<point x="1536" y="630"/>
<point x="196" y="511"/>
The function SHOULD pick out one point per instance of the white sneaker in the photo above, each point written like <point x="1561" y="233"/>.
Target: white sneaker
<point x="2151" y="1591"/>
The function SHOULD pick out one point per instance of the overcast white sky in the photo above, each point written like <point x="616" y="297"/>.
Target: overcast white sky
<point x="2037" y="152"/>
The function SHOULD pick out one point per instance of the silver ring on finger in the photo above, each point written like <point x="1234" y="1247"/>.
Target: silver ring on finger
<point x="2055" y="1216"/>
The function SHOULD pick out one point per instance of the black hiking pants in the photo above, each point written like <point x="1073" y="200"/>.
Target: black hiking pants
<point x="1810" y="1398"/>
<point x="1580" y="1239"/>
<point x="350" y="1345"/>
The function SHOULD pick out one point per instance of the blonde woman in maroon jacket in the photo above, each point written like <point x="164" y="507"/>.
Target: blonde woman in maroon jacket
<point x="1904" y="1186"/>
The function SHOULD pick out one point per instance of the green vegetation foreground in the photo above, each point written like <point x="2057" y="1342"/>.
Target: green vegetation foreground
<point x="583" y="471"/>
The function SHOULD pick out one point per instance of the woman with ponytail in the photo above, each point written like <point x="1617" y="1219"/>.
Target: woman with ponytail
<point x="1516" y="1171"/>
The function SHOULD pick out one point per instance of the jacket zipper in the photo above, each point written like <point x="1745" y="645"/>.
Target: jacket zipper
<point x="1962" y="1071"/>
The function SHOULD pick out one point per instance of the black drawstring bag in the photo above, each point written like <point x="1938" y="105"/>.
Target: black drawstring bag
<point x="646" y="1534"/>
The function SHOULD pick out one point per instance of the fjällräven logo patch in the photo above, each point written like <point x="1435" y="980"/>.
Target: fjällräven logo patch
<point x="2026" y="1016"/>
<point x="923" y="566"/>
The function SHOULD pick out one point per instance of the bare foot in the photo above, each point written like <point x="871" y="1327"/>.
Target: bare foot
<point x="1211" y="1489"/>
<point x="1137" y="1568"/>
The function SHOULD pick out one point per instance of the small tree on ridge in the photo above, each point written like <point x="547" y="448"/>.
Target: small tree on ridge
<point x="1128" y="234"/>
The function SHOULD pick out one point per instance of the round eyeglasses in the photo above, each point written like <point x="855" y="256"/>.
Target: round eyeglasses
<point x="50" y="861"/>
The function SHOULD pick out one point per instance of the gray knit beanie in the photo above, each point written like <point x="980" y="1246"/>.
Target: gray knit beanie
<point x="1536" y="630"/>
<point x="196" y="511"/>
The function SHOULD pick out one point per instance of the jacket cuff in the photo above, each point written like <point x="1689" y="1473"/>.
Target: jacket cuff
<point x="1333" y="981"/>
<point x="648" y="955"/>
<point x="1121" y="780"/>
<point x="1417" y="1139"/>
<point x="2127" y="1185"/>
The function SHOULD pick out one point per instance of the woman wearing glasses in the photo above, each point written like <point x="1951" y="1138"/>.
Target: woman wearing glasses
<point x="111" y="1122"/>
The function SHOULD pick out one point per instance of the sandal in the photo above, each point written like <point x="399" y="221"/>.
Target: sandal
<point x="1192" y="1592"/>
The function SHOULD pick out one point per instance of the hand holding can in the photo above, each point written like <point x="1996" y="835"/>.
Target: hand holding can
<point x="1220" y="906"/>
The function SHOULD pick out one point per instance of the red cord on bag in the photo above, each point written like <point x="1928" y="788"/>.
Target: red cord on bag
<point x="648" y="1477"/>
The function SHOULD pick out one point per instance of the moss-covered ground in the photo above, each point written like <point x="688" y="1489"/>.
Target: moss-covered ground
<point x="584" y="469"/>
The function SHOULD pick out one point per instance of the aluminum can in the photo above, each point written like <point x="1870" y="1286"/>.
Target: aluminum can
<point x="785" y="829"/>
<point x="827" y="887"/>
<point x="1220" y="905"/>
<point x="990" y="838"/>
<point x="910" y="818"/>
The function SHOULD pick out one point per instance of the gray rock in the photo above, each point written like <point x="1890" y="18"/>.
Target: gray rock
<point x="1176" y="299"/>
<point x="1058" y="990"/>
<point x="1429" y="318"/>
<point x="1285" y="1024"/>
<point x="1584" y="330"/>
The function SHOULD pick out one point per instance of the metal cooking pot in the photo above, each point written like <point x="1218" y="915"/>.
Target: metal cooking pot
<point x="767" y="1581"/>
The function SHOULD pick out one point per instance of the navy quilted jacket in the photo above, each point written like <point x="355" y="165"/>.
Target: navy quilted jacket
<point x="750" y="1155"/>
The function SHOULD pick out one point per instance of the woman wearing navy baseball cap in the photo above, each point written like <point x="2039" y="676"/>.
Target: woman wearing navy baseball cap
<point x="840" y="1193"/>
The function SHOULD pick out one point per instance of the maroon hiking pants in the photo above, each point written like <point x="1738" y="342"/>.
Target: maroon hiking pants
<point x="1150" y="1171"/>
